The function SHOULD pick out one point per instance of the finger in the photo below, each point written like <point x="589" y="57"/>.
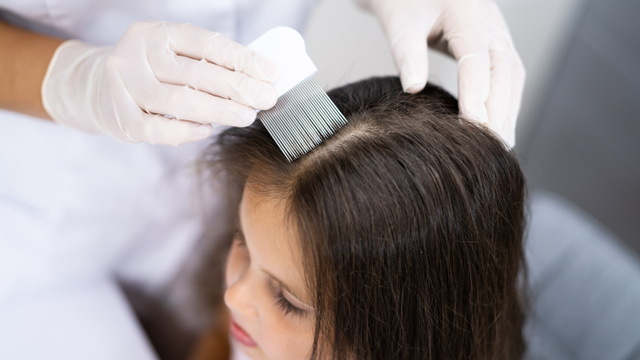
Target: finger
<point x="157" y="129"/>
<point x="409" y="49"/>
<point x="499" y="23"/>
<point x="410" y="56"/>
<point x="517" y="89"/>
<point x="474" y="75"/>
<point x="198" y="43"/>
<point x="184" y="103"/>
<point x="215" y="80"/>
<point x="508" y="130"/>
<point x="502" y="65"/>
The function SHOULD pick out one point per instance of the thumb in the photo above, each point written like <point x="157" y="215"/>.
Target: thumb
<point x="408" y="41"/>
<point x="409" y="50"/>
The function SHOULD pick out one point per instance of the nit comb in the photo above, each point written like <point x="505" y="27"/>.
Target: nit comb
<point x="303" y="116"/>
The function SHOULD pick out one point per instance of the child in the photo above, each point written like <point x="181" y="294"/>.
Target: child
<point x="400" y="237"/>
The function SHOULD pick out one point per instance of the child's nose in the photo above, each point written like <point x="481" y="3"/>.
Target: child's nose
<point x="239" y="296"/>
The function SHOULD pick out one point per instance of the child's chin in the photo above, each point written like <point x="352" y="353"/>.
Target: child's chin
<point x="241" y="352"/>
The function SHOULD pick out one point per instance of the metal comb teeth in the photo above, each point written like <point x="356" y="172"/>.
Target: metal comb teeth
<point x="302" y="119"/>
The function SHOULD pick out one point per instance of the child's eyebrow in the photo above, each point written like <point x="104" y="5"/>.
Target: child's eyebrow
<point x="284" y="285"/>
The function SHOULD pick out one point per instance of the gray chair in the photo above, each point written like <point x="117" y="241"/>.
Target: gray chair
<point x="584" y="284"/>
<point x="584" y="142"/>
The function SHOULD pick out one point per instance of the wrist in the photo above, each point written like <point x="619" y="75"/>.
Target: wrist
<point x="68" y="88"/>
<point x="23" y="63"/>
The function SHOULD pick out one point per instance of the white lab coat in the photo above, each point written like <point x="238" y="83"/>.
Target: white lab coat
<point x="78" y="209"/>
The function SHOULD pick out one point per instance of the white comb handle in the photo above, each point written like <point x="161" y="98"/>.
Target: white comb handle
<point x="285" y="47"/>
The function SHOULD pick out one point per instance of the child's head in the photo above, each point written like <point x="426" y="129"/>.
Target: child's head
<point x="398" y="238"/>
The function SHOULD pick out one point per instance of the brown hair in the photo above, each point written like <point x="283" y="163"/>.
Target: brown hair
<point x="410" y="223"/>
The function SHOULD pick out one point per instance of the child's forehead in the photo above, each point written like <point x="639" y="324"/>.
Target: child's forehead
<point x="272" y="243"/>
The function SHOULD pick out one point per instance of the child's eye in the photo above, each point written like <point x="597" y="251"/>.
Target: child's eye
<point x="238" y="237"/>
<point x="286" y="306"/>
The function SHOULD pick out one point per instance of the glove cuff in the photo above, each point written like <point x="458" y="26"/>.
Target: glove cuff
<point x="68" y="86"/>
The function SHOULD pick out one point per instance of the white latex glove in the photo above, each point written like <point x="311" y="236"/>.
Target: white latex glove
<point x="490" y="72"/>
<point x="163" y="83"/>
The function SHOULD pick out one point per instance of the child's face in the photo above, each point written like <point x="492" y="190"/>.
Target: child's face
<point x="271" y="315"/>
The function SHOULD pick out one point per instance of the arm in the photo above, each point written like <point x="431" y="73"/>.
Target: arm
<point x="162" y="83"/>
<point x="24" y="59"/>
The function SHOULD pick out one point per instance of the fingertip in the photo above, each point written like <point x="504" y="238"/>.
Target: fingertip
<point x="266" y="98"/>
<point x="204" y="131"/>
<point x="410" y="54"/>
<point x="246" y="117"/>
<point x="197" y="133"/>
<point x="413" y="76"/>
<point x="414" y="87"/>
<point x="508" y="141"/>
<point x="269" y="70"/>
<point x="506" y="136"/>
<point x="273" y="77"/>
<point x="475" y="113"/>
<point x="509" y="138"/>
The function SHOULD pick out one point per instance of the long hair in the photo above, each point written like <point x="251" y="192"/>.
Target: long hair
<point x="410" y="223"/>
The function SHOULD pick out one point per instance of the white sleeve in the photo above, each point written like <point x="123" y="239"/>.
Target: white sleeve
<point x="34" y="10"/>
<point x="92" y="321"/>
<point x="39" y="15"/>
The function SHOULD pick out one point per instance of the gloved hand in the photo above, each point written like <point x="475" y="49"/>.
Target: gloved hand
<point x="162" y="83"/>
<point x="490" y="72"/>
